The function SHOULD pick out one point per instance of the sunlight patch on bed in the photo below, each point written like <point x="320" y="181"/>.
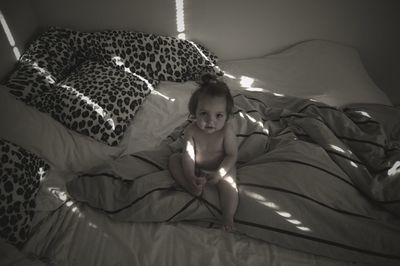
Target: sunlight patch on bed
<point x="92" y="225"/>
<point x="363" y="113"/>
<point x="58" y="193"/>
<point x="284" y="214"/>
<point x="41" y="174"/>
<point x="120" y="62"/>
<point x="97" y="108"/>
<point x="226" y="74"/>
<point x="337" y="148"/>
<point x="353" y="164"/>
<point x="293" y="221"/>
<point x="261" y="199"/>
<point x="395" y="169"/>
<point x="72" y="205"/>
<point x="155" y="92"/>
<point x="278" y="210"/>
<point x="247" y="83"/>
<point x="43" y="72"/>
<point x="303" y="228"/>
<point x="259" y="123"/>
<point x="10" y="37"/>
<point x="252" y="119"/>
<point x="202" y="54"/>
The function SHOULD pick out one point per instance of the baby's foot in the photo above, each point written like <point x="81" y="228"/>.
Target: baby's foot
<point x="227" y="224"/>
<point x="195" y="189"/>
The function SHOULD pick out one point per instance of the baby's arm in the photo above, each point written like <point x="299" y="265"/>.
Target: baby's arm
<point x="188" y="159"/>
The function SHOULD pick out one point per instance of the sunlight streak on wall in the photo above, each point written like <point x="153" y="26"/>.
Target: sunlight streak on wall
<point x="182" y="36"/>
<point x="9" y="35"/>
<point x="180" y="19"/>
<point x="180" y="22"/>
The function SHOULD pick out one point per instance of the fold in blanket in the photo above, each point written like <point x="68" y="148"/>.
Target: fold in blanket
<point x="311" y="177"/>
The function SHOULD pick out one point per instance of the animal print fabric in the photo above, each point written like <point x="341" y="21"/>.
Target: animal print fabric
<point x="94" y="83"/>
<point x="20" y="174"/>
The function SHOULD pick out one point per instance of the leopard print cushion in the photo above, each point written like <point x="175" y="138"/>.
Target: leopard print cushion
<point x="94" y="83"/>
<point x="20" y="174"/>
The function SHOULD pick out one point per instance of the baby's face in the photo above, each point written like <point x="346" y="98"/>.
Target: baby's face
<point x="211" y="113"/>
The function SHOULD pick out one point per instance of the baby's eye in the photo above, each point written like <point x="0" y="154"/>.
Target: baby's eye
<point x="220" y="116"/>
<point x="203" y="113"/>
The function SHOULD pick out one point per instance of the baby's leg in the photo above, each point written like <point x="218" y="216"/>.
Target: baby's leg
<point x="229" y="198"/>
<point x="176" y="169"/>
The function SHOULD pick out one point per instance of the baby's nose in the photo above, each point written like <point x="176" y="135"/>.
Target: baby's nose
<point x="210" y="120"/>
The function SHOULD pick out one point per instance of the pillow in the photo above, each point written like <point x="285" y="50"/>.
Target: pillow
<point x="165" y="109"/>
<point x="20" y="173"/>
<point x="48" y="59"/>
<point x="96" y="100"/>
<point x="97" y="91"/>
<point x="63" y="149"/>
<point x="321" y="70"/>
<point x="155" y="57"/>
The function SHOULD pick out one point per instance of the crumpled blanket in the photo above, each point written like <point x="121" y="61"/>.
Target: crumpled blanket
<point x="311" y="177"/>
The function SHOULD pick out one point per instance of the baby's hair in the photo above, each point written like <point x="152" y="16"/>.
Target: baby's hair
<point x="210" y="85"/>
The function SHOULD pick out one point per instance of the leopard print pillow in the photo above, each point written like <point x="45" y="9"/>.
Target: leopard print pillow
<point x="94" y="83"/>
<point x="20" y="174"/>
<point x="155" y="57"/>
<point x="97" y="100"/>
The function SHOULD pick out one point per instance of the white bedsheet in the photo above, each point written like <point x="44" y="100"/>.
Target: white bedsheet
<point x="78" y="235"/>
<point x="74" y="234"/>
<point x="322" y="70"/>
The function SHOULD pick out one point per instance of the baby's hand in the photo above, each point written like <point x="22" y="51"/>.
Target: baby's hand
<point x="213" y="177"/>
<point x="200" y="180"/>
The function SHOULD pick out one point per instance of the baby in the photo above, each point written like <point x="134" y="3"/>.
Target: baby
<point x="210" y="150"/>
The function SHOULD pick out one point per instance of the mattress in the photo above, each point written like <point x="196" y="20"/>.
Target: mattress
<point x="68" y="231"/>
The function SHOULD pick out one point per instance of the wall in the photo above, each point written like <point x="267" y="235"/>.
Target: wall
<point x="23" y="25"/>
<point x="242" y="29"/>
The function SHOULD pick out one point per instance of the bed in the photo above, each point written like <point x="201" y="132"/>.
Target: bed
<point x="318" y="167"/>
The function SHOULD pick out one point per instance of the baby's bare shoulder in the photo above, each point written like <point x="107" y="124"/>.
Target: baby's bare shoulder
<point x="229" y="128"/>
<point x="190" y="130"/>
